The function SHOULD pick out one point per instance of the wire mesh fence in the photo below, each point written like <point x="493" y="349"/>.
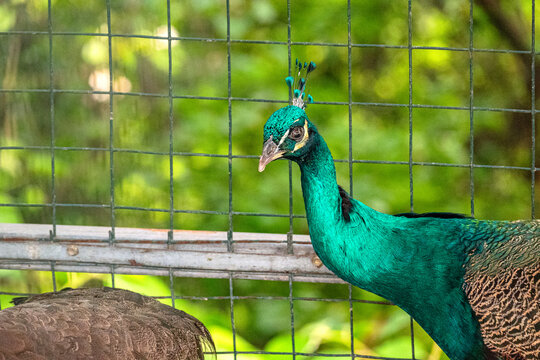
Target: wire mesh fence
<point x="173" y="147"/>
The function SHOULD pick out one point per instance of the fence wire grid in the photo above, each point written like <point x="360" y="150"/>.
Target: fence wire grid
<point x="171" y="36"/>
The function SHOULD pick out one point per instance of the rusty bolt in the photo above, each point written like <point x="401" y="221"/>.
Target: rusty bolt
<point x="316" y="261"/>
<point x="72" y="250"/>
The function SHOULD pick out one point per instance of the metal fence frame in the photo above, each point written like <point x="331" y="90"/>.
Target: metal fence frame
<point x="229" y="239"/>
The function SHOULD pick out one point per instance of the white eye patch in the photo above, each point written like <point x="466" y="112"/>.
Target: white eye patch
<point x="283" y="138"/>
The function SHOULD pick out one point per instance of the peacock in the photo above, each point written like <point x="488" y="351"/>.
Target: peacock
<point x="473" y="285"/>
<point x="99" y="323"/>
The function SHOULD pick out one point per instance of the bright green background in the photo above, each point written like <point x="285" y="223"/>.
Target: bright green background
<point x="440" y="78"/>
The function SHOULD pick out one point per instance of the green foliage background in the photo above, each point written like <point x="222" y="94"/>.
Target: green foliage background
<point x="380" y="75"/>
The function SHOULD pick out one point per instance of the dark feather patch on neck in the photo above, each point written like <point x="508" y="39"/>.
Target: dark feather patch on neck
<point x="439" y="215"/>
<point x="346" y="204"/>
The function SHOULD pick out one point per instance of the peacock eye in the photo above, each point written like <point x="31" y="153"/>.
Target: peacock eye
<point x="296" y="133"/>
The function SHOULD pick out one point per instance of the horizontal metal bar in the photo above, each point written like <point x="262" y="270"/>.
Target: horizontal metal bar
<point x="141" y="208"/>
<point x="326" y="355"/>
<point x="177" y="272"/>
<point x="156" y="238"/>
<point x="145" y="251"/>
<point x="263" y="42"/>
<point x="245" y="297"/>
<point x="189" y="154"/>
<point x="280" y="298"/>
<point x="158" y="95"/>
<point x="242" y="99"/>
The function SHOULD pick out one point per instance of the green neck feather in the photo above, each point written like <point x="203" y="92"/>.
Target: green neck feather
<point x="319" y="186"/>
<point x="412" y="262"/>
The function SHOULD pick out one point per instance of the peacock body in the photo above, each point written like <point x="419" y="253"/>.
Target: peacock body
<point x="473" y="285"/>
<point x="97" y="324"/>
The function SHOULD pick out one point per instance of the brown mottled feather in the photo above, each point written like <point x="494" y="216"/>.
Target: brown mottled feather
<point x="502" y="283"/>
<point x="99" y="324"/>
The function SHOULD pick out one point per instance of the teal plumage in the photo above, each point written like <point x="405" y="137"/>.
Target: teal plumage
<point x="472" y="285"/>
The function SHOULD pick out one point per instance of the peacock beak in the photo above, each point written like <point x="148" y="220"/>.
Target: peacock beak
<point x="270" y="152"/>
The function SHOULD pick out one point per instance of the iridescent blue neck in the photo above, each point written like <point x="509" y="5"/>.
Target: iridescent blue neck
<point x="319" y="186"/>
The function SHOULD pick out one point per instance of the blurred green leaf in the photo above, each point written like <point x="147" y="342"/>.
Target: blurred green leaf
<point x="144" y="128"/>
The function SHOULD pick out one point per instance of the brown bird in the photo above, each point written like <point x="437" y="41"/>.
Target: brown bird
<point x="99" y="323"/>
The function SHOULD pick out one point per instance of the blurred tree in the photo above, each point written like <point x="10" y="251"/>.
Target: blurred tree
<point x="76" y="119"/>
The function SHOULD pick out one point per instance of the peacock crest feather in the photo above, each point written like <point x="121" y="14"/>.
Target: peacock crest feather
<point x="298" y="83"/>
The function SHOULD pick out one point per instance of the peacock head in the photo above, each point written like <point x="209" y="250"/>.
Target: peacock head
<point x="288" y="133"/>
